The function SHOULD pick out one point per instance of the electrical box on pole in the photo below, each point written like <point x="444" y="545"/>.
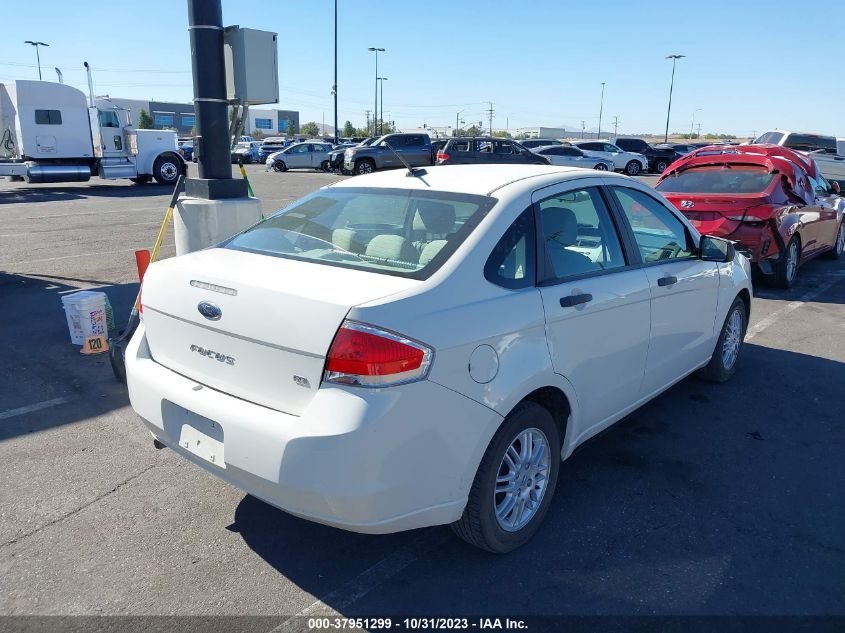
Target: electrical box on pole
<point x="252" y="72"/>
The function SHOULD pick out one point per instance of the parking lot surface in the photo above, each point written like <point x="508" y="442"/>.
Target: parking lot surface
<point x="711" y="500"/>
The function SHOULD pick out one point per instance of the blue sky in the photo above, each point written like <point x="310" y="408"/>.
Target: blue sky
<point x="750" y="65"/>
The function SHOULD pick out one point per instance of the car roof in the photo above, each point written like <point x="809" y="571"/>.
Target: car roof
<point x="471" y="179"/>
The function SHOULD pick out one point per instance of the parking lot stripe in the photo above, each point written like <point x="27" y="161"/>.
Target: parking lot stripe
<point x="777" y="315"/>
<point x="346" y="595"/>
<point x="46" y="404"/>
<point x="53" y="259"/>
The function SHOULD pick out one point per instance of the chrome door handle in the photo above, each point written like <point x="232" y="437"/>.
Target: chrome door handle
<point x="574" y="300"/>
<point x="668" y="280"/>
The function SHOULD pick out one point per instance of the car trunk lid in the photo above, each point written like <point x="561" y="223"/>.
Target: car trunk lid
<point x="254" y="326"/>
<point x="720" y="215"/>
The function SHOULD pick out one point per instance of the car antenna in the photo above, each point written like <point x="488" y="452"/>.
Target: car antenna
<point x="412" y="171"/>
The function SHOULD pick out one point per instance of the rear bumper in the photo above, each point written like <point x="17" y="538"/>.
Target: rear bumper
<point x="375" y="461"/>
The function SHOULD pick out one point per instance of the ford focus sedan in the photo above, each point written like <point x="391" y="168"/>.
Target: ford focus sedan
<point x="405" y="350"/>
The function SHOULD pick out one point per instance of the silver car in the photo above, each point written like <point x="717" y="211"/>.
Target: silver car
<point x="301" y="156"/>
<point x="567" y="156"/>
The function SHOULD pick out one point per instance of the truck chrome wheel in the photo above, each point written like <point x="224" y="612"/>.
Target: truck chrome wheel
<point x="522" y="479"/>
<point x="169" y="171"/>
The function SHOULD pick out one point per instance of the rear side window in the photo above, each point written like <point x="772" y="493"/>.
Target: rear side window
<point x="511" y="264"/>
<point x="48" y="117"/>
<point x="658" y="233"/>
<point x="578" y="235"/>
<point x="408" y="233"/>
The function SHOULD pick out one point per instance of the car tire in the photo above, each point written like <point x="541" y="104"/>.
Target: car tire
<point x="279" y="165"/>
<point x="661" y="165"/>
<point x="601" y="167"/>
<point x="480" y="525"/>
<point x="324" y="166"/>
<point x="167" y="168"/>
<point x="786" y="270"/>
<point x="364" y="166"/>
<point x="838" y="244"/>
<point x="723" y="363"/>
<point x="633" y="168"/>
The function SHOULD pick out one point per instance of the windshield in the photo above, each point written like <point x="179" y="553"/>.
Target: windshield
<point x="391" y="231"/>
<point x="734" y="180"/>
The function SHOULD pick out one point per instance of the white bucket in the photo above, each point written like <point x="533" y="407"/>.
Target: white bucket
<point x="85" y="312"/>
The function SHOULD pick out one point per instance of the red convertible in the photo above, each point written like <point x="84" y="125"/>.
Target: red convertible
<point x="769" y="199"/>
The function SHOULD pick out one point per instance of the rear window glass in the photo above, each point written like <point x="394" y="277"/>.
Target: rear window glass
<point x="718" y="180"/>
<point x="391" y="231"/>
<point x="811" y="143"/>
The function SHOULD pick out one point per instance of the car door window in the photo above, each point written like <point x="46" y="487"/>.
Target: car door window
<point x="300" y="149"/>
<point x="612" y="148"/>
<point x="504" y="147"/>
<point x="659" y="235"/>
<point x="578" y="235"/>
<point x="511" y="264"/>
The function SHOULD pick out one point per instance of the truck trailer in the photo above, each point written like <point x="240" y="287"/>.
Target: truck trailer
<point x="49" y="132"/>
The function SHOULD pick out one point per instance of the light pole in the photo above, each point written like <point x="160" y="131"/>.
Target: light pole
<point x="674" y="59"/>
<point x="376" y="50"/>
<point x="601" y="108"/>
<point x="381" y="105"/>
<point x="334" y="87"/>
<point x="37" y="55"/>
<point x="692" y="125"/>
<point x="458" y="122"/>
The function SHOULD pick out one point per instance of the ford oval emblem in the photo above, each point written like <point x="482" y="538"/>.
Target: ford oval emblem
<point x="209" y="310"/>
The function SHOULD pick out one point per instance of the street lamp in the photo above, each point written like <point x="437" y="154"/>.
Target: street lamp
<point x="375" y="50"/>
<point x="674" y="59"/>
<point x="37" y="55"/>
<point x="601" y="108"/>
<point x="692" y="125"/>
<point x="458" y="122"/>
<point x="381" y="105"/>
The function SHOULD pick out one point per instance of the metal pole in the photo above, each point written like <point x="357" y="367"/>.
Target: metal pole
<point x="205" y="24"/>
<point x="601" y="108"/>
<point x="375" y="50"/>
<point x="381" y="105"/>
<point x="692" y="125"/>
<point x="38" y="57"/>
<point x="334" y="89"/>
<point x="674" y="59"/>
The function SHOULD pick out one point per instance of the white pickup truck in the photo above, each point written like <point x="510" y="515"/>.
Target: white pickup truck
<point x="828" y="154"/>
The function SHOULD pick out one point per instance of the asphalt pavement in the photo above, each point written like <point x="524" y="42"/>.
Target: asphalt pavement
<point x="710" y="500"/>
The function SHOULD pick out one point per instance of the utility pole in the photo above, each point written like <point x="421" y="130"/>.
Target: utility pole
<point x="699" y="130"/>
<point x="368" y="123"/>
<point x="334" y="87"/>
<point x="601" y="107"/>
<point x="490" y="117"/>
<point x="615" y="126"/>
<point x="37" y="54"/>
<point x="381" y="105"/>
<point x="674" y="59"/>
<point x="583" y="128"/>
<point x="376" y="50"/>
<point x="692" y="124"/>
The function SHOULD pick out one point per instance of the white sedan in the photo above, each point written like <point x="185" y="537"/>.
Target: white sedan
<point x="629" y="162"/>
<point x="396" y="351"/>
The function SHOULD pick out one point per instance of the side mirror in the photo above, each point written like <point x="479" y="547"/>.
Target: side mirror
<point x="716" y="249"/>
<point x="836" y="188"/>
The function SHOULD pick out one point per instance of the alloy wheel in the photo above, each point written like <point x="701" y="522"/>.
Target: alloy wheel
<point x="169" y="171"/>
<point x="792" y="261"/>
<point x="733" y="340"/>
<point x="840" y="238"/>
<point x="522" y="479"/>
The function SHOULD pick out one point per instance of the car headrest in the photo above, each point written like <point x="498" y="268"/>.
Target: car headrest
<point x="560" y="226"/>
<point x="434" y="217"/>
<point x="393" y="247"/>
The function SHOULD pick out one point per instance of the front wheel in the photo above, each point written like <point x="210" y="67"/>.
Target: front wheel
<point x="167" y="169"/>
<point x="515" y="482"/>
<point x="722" y="364"/>
<point x="661" y="165"/>
<point x="364" y="166"/>
<point x="324" y="166"/>
<point x="787" y="269"/>
<point x="633" y="168"/>
<point x="279" y="165"/>
<point x="839" y="244"/>
<point x="601" y="167"/>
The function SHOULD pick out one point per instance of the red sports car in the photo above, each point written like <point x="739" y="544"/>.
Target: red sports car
<point x="769" y="199"/>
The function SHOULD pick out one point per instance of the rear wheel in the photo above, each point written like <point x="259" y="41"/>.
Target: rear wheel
<point x="722" y="365"/>
<point x="661" y="165"/>
<point x="787" y="269"/>
<point x="601" y="167"/>
<point x="515" y="482"/>
<point x="364" y="166"/>
<point x="633" y="168"/>
<point x="167" y="169"/>
<point x="839" y="244"/>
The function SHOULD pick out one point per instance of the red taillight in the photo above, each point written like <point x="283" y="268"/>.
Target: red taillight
<point x="140" y="304"/>
<point x="442" y="156"/>
<point x="367" y="356"/>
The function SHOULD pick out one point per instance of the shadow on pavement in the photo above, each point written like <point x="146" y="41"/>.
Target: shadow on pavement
<point x="39" y="361"/>
<point x="47" y="193"/>
<point x="711" y="499"/>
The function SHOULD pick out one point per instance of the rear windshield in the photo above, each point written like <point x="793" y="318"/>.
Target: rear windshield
<point x="745" y="179"/>
<point x="391" y="231"/>
<point x="811" y="143"/>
